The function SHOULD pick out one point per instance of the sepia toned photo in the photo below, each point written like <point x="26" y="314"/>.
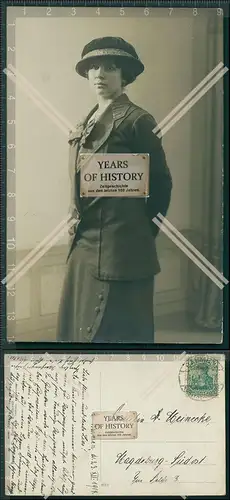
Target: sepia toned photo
<point x="128" y="248"/>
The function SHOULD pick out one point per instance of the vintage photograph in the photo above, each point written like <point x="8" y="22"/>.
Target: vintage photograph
<point x="126" y="268"/>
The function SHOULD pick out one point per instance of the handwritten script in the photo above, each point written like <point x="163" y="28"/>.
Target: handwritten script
<point x="46" y="403"/>
<point x="70" y="421"/>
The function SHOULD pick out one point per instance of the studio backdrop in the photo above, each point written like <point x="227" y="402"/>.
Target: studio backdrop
<point x="178" y="52"/>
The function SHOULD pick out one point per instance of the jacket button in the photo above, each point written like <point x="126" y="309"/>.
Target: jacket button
<point x="101" y="297"/>
<point x="89" y="329"/>
<point x="97" y="309"/>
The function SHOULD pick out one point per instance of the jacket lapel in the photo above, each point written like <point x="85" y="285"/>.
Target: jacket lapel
<point x="112" y="116"/>
<point x="98" y="136"/>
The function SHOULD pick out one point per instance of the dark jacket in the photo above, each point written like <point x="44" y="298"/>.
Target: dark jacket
<point x="118" y="233"/>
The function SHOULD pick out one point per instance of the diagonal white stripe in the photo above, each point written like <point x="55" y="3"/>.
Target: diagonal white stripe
<point x="191" y="103"/>
<point x="37" y="102"/>
<point x="51" y="242"/>
<point x="39" y="248"/>
<point x="42" y="99"/>
<point x="162" y="378"/>
<point x="194" y="249"/>
<point x="188" y="253"/>
<point x="188" y="97"/>
<point x="11" y="76"/>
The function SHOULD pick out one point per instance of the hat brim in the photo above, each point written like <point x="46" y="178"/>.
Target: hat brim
<point x="135" y="65"/>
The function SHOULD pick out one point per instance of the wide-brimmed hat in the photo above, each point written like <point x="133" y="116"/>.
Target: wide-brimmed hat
<point x="115" y="47"/>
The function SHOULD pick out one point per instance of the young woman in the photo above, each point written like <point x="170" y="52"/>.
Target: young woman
<point x="108" y="288"/>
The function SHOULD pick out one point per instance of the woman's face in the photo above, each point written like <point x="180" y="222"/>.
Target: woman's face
<point x="105" y="78"/>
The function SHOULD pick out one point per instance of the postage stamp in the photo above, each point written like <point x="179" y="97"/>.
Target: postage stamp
<point x="114" y="425"/>
<point x="200" y="377"/>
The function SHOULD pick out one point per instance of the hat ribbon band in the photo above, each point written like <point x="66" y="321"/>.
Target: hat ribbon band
<point x="107" y="52"/>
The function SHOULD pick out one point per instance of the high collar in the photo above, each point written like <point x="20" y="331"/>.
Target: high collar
<point x="116" y="110"/>
<point x="116" y="106"/>
<point x="120" y="104"/>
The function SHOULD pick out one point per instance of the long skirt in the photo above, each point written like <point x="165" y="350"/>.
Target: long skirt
<point x="93" y="310"/>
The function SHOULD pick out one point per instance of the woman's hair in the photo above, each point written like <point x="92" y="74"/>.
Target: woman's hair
<point x="128" y="76"/>
<point x="127" y="73"/>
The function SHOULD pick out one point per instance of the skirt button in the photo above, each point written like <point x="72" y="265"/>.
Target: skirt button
<point x="101" y="297"/>
<point x="89" y="329"/>
<point x="97" y="309"/>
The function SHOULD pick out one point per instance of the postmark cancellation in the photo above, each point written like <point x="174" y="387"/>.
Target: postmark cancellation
<point x="201" y="377"/>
